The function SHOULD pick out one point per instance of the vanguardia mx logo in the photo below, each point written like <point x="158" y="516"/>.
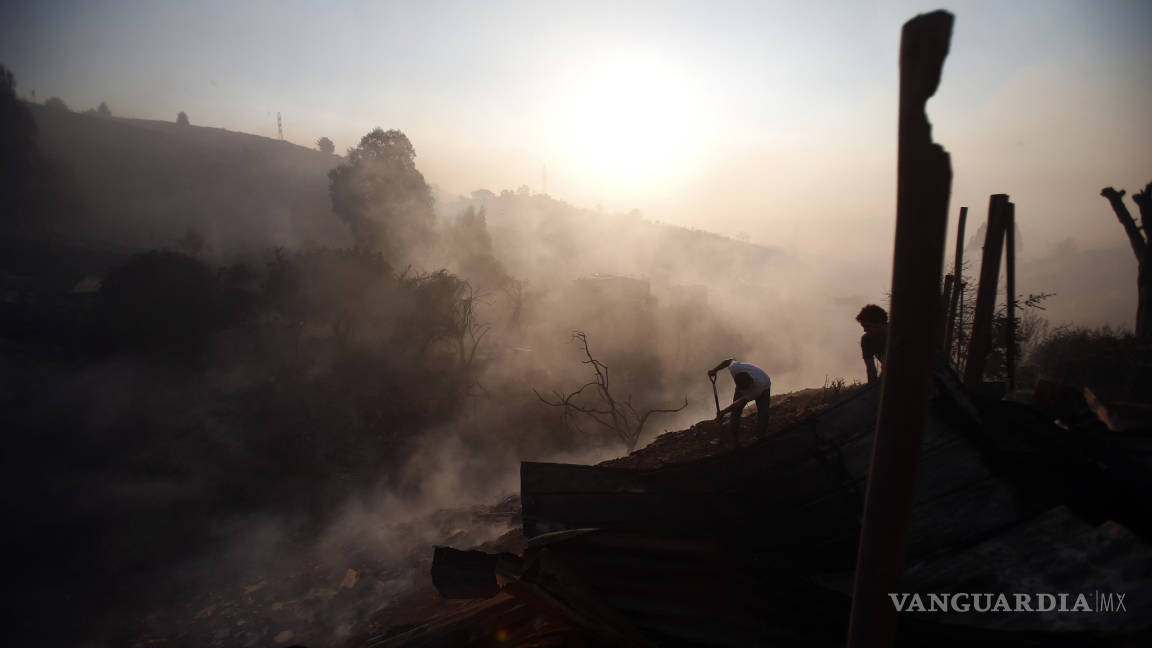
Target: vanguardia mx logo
<point x="983" y="602"/>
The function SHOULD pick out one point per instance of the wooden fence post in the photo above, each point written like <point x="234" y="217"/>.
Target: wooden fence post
<point x="957" y="282"/>
<point x="981" y="337"/>
<point x="945" y="299"/>
<point x="1010" y="304"/>
<point x="959" y="330"/>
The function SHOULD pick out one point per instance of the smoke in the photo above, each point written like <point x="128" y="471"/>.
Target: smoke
<point x="245" y="445"/>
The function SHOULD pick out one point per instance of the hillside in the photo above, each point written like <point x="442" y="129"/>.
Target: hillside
<point x="134" y="184"/>
<point x="144" y="184"/>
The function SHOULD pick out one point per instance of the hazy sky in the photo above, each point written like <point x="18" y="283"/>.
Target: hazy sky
<point x="777" y="120"/>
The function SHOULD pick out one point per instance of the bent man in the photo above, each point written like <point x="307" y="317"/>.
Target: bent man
<point x="874" y="342"/>
<point x="752" y="384"/>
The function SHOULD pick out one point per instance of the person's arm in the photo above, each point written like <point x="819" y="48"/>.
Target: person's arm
<point x="722" y="365"/>
<point x="736" y="406"/>
<point x="870" y="367"/>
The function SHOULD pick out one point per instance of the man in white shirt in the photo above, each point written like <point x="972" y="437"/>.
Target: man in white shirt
<point x="752" y="384"/>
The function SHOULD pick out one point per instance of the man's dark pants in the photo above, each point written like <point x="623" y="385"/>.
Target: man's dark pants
<point x="762" y="403"/>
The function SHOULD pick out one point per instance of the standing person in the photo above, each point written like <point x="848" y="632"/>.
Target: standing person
<point x="874" y="342"/>
<point x="752" y="384"/>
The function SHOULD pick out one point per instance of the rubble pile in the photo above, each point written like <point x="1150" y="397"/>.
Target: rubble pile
<point x="699" y="541"/>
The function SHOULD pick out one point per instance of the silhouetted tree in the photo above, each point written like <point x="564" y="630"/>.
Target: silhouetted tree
<point x="327" y="287"/>
<point x="192" y="243"/>
<point x="514" y="289"/>
<point x="470" y="233"/>
<point x="1140" y="238"/>
<point x="471" y="245"/>
<point x="325" y="145"/>
<point x="17" y="126"/>
<point x="163" y="301"/>
<point x="103" y="110"/>
<point x="600" y="406"/>
<point x="56" y="103"/>
<point x="382" y="197"/>
<point x="182" y="119"/>
<point x="17" y="145"/>
<point x="467" y="331"/>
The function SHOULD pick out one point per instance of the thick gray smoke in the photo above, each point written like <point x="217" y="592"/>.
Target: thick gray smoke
<point x="257" y="433"/>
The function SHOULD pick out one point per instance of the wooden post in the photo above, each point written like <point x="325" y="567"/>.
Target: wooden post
<point x="945" y="299"/>
<point x="981" y="336"/>
<point x="923" y="187"/>
<point x="957" y="283"/>
<point x="1010" y="304"/>
<point x="960" y="324"/>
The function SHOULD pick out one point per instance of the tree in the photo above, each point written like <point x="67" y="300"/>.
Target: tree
<point x="164" y="301"/>
<point x="56" y="103"/>
<point x="1028" y="327"/>
<point x="600" y="406"/>
<point x="1140" y="238"/>
<point x="192" y="243"/>
<point x="514" y="289"/>
<point x="17" y="127"/>
<point x="471" y="245"/>
<point x="18" y="158"/>
<point x="382" y="197"/>
<point x="103" y="110"/>
<point x="325" y="145"/>
<point x="467" y="332"/>
<point x="182" y="119"/>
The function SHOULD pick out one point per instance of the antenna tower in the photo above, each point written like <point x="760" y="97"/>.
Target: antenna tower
<point x="279" y="127"/>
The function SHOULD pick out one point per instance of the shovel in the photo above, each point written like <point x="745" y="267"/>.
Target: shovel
<point x="712" y="377"/>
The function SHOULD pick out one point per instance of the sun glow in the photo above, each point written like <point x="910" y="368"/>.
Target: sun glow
<point x="627" y="124"/>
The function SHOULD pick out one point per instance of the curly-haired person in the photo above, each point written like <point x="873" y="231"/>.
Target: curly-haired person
<point x="874" y="342"/>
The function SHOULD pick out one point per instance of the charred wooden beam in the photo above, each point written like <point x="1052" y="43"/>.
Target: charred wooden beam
<point x="1010" y="304"/>
<point x="924" y="185"/>
<point x="460" y="574"/>
<point x="957" y="282"/>
<point x="950" y="285"/>
<point x="981" y="338"/>
<point x="959" y="330"/>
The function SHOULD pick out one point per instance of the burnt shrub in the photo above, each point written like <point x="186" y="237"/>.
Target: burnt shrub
<point x="164" y="301"/>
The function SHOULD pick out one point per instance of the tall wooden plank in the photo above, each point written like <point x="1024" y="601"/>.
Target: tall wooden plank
<point x="1010" y="284"/>
<point x="959" y="360"/>
<point x="957" y="282"/>
<point x="981" y="338"/>
<point x="923" y="188"/>
<point x="945" y="299"/>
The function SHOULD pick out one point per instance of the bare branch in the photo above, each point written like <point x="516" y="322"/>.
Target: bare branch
<point x="667" y="411"/>
<point x="644" y="419"/>
<point x="621" y="417"/>
<point x="1115" y="198"/>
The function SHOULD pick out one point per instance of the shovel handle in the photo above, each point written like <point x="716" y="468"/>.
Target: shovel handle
<point x="715" y="396"/>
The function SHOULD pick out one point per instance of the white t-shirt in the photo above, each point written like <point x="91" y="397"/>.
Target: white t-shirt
<point x="760" y="380"/>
